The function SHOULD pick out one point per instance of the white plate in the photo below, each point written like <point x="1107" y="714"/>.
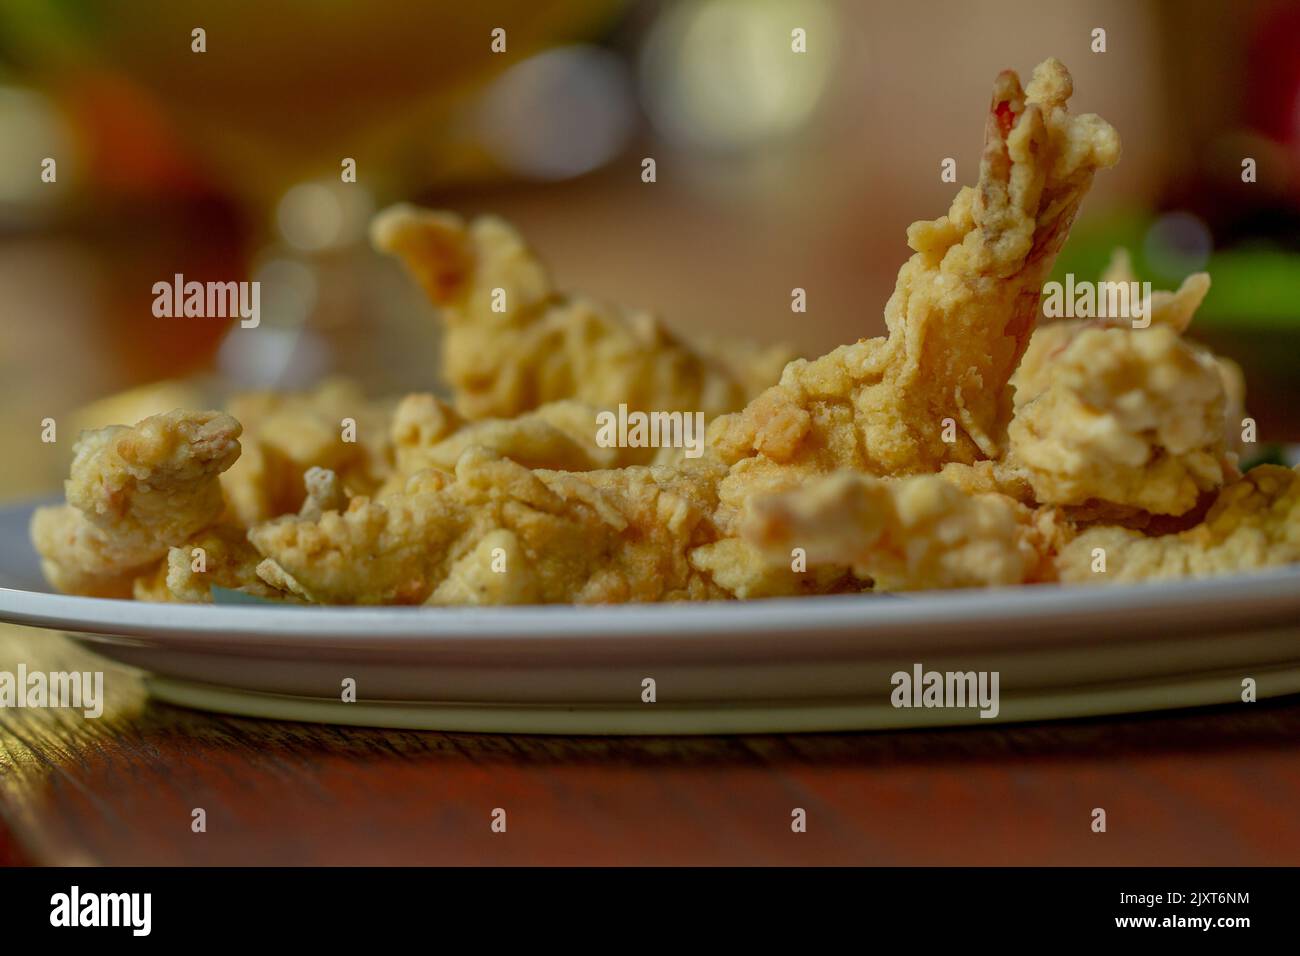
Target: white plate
<point x="762" y="666"/>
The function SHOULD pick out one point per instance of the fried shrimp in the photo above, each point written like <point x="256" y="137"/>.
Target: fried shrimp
<point x="515" y="343"/>
<point x="134" y="493"/>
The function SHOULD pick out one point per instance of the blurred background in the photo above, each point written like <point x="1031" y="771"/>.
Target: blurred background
<point x="774" y="170"/>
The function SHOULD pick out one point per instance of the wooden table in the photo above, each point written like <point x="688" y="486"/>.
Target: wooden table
<point x="1215" y="786"/>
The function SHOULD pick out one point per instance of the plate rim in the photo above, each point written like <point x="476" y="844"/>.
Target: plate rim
<point x="814" y="715"/>
<point x="1237" y="599"/>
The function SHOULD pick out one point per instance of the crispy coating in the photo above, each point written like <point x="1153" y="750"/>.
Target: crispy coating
<point x="1176" y="310"/>
<point x="1254" y="523"/>
<point x="988" y="477"/>
<point x="286" y="434"/>
<point x="559" y="436"/>
<point x="227" y="560"/>
<point x="325" y="492"/>
<point x="907" y="533"/>
<point x="1122" y="420"/>
<point x="149" y="586"/>
<point x="538" y="345"/>
<point x="958" y="320"/>
<point x="1169" y="310"/>
<point x="601" y="536"/>
<point x="1132" y="417"/>
<point x="133" y="493"/>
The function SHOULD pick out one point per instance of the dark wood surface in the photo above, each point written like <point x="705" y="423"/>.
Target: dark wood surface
<point x="1213" y="786"/>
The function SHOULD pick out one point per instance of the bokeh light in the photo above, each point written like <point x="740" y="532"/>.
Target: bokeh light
<point x="315" y="216"/>
<point x="282" y="351"/>
<point x="1178" y="243"/>
<point x="289" y="291"/>
<point x="271" y="358"/>
<point x="31" y="129"/>
<point x="559" y="114"/>
<point x="721" y="74"/>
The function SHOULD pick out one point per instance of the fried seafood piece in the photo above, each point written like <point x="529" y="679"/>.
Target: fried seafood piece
<point x="1133" y="418"/>
<point x="325" y="492"/>
<point x="285" y="434"/>
<point x="1117" y="419"/>
<point x="1171" y="310"/>
<point x="149" y="586"/>
<point x="132" y="494"/>
<point x="988" y="477"/>
<point x="560" y="436"/>
<point x="538" y="345"/>
<point x="494" y="531"/>
<point x="1254" y="523"/>
<point x="907" y="533"/>
<point x="960" y="317"/>
<point x="219" y="556"/>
